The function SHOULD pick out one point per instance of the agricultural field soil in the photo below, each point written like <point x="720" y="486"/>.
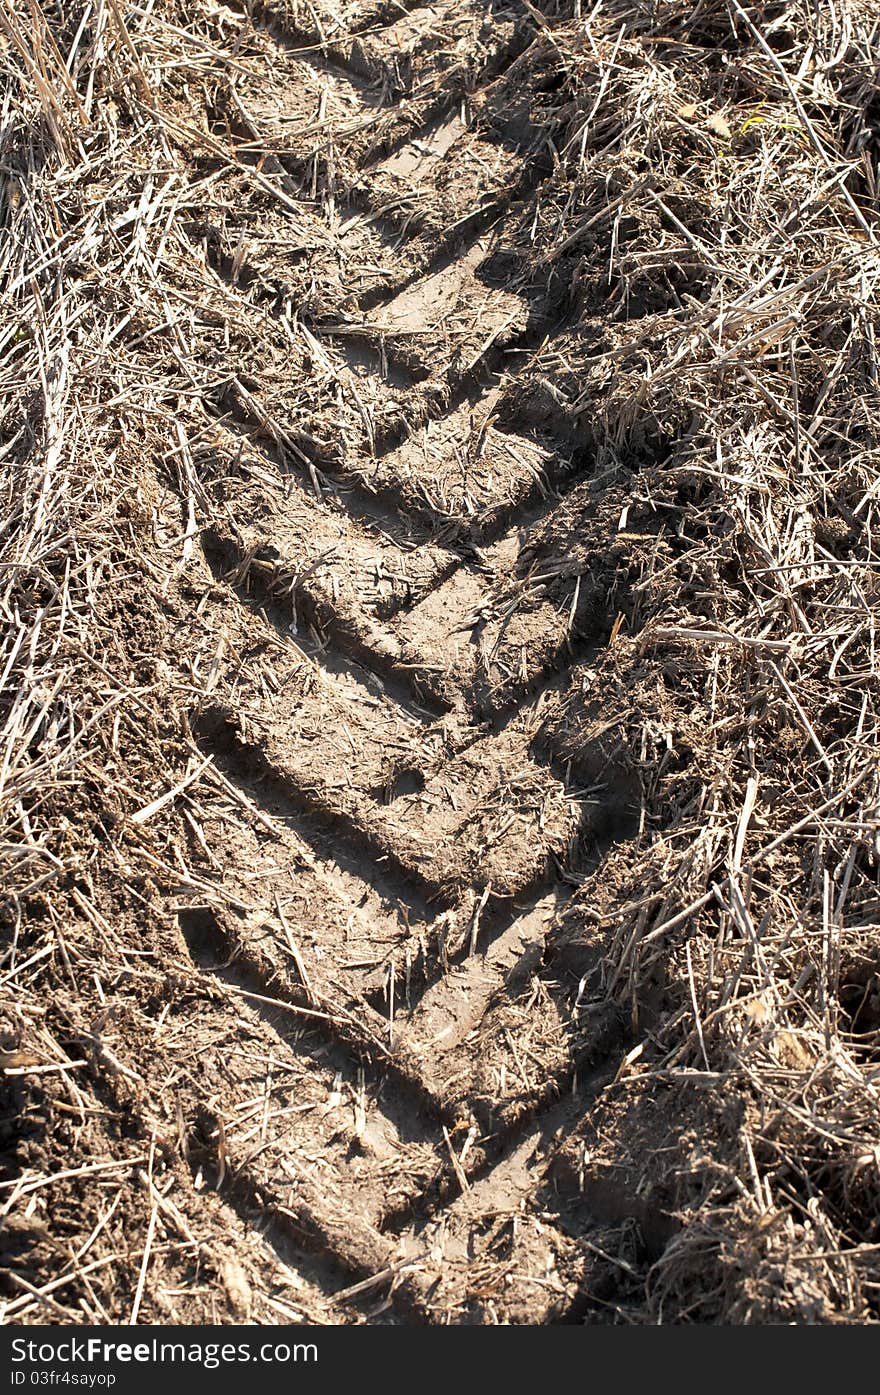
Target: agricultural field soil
<point x="439" y="764"/>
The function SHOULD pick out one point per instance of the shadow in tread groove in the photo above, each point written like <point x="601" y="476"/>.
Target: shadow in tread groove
<point x="362" y="662"/>
<point x="297" y="1235"/>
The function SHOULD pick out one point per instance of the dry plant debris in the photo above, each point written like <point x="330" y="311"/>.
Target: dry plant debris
<point x="439" y="780"/>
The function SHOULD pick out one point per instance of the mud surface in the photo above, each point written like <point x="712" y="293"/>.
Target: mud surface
<point x="364" y="985"/>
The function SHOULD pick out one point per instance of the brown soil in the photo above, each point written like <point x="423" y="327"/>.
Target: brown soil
<point x="334" y="1032"/>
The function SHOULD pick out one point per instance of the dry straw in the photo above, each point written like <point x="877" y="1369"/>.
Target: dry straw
<point x="710" y="232"/>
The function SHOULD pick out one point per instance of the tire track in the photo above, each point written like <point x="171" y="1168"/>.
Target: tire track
<point x="394" y="1041"/>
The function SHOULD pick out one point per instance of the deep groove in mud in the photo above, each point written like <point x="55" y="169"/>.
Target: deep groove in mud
<point x="376" y="15"/>
<point x="217" y="956"/>
<point x="291" y="1243"/>
<point x="218" y="734"/>
<point x="368" y="347"/>
<point x="295" y="1231"/>
<point x="351" y="653"/>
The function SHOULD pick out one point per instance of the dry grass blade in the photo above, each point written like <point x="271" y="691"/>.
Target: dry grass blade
<point x="279" y="376"/>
